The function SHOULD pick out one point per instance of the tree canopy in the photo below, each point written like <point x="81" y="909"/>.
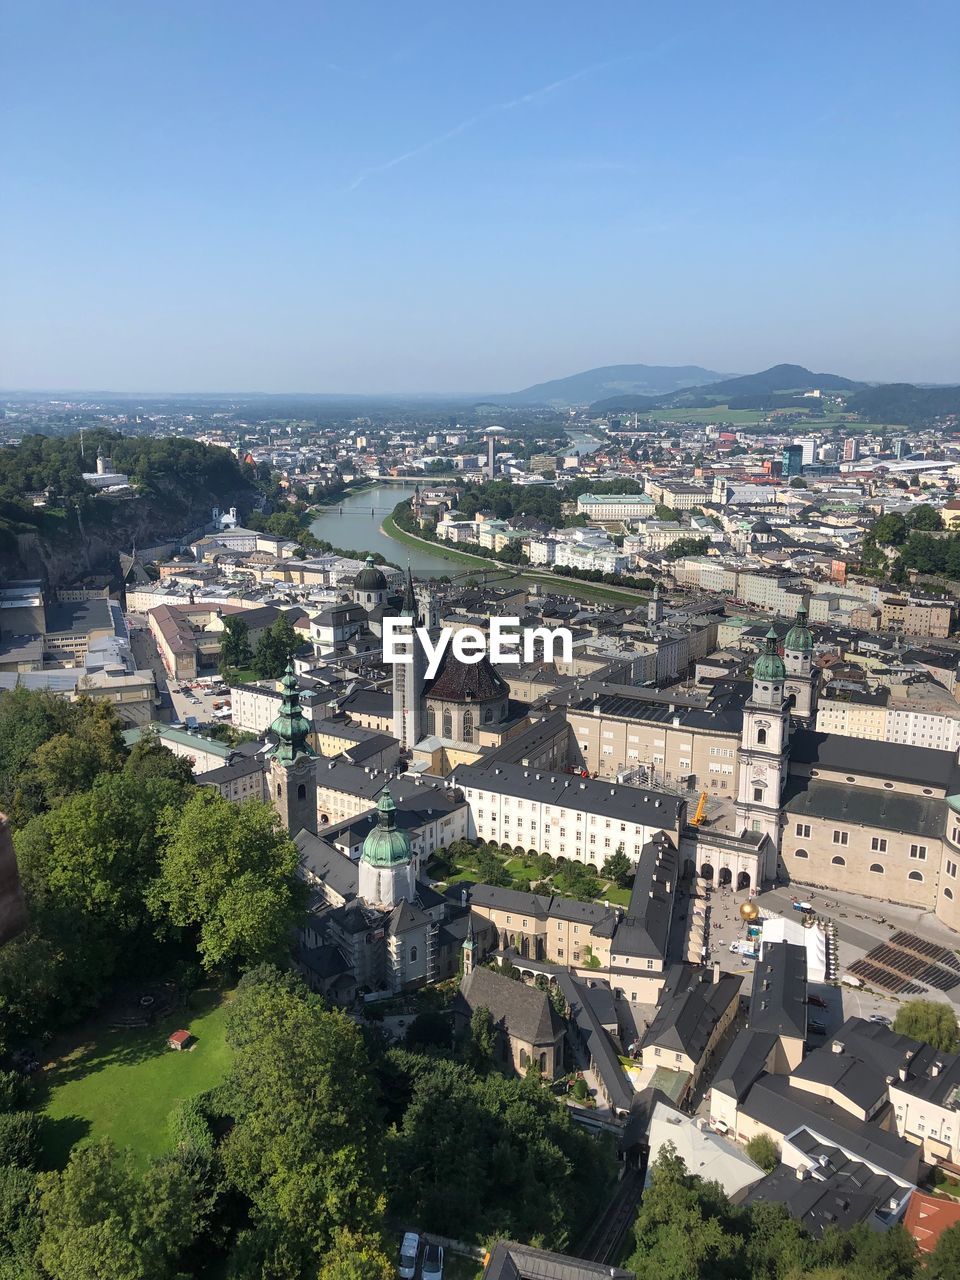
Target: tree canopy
<point x="933" y="1021"/>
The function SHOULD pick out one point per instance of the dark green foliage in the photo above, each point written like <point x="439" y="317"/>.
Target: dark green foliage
<point x="686" y="547"/>
<point x="763" y="1151"/>
<point x="189" y="1126"/>
<point x="19" y="1223"/>
<point x="19" y="1138"/>
<point x="16" y="1091"/>
<point x="944" y="1264"/>
<point x="577" y="880"/>
<point x="902" y="403"/>
<point x="235" y="648"/>
<point x="477" y="1157"/>
<point x="618" y="868"/>
<point x="274" y="649"/>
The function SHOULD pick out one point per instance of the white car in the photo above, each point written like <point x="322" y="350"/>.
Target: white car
<point x="432" y="1262"/>
<point x="409" y="1249"/>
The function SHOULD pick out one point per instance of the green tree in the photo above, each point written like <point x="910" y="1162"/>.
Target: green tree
<point x="763" y="1151"/>
<point x="483" y="1036"/>
<point x="19" y="1224"/>
<point x="234" y="643"/>
<point x="19" y="1138"/>
<point x="944" y="1262"/>
<point x="889" y="530"/>
<point x="925" y="518"/>
<point x="933" y="1021"/>
<point x="102" y="1221"/>
<point x="228" y="873"/>
<point x="617" y="867"/>
<point x="306" y="1144"/>
<point x="356" y="1257"/>
<point x="274" y="649"/>
<point x="149" y="760"/>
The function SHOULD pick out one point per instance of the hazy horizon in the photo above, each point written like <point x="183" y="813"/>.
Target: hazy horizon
<point x="390" y="201"/>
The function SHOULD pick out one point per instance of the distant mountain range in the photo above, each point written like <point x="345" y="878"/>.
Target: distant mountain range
<point x="768" y="389"/>
<point x="612" y="380"/>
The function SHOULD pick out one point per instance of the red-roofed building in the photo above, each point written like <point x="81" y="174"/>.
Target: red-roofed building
<point x="179" y="1040"/>
<point x="927" y="1218"/>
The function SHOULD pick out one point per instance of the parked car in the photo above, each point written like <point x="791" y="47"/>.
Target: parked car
<point x="816" y="1028"/>
<point x="818" y="1001"/>
<point x="409" y="1249"/>
<point x="879" y="1019"/>
<point x="432" y="1262"/>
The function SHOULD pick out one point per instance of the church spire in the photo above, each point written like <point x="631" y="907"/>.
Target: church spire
<point x="409" y="607"/>
<point x="291" y="725"/>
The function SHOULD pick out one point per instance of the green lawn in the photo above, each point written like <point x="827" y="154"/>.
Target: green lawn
<point x="123" y="1084"/>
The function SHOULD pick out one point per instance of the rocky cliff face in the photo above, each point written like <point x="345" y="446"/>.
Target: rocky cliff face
<point x="87" y="546"/>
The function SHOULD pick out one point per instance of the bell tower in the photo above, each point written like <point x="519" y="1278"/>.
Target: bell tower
<point x="409" y="678"/>
<point x="762" y="757"/>
<point x="292" y="773"/>
<point x="801" y="683"/>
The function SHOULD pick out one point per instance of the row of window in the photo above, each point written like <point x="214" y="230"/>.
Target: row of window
<point x="876" y="867"/>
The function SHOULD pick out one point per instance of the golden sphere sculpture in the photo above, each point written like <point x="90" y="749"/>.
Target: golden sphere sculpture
<point x="749" y="911"/>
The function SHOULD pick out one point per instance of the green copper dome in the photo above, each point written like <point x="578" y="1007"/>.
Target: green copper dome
<point x="370" y="578"/>
<point x="291" y="725"/>
<point x="385" y="846"/>
<point x="769" y="666"/>
<point x="799" y="636"/>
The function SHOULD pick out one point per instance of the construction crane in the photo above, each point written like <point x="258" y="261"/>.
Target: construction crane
<point x="701" y="810"/>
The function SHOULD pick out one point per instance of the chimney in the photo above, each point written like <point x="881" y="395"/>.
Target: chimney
<point x="902" y="1073"/>
<point x="936" y="1068"/>
<point x="837" y="1046"/>
<point x="802" y="1172"/>
<point x="716" y="971"/>
<point x="463" y="897"/>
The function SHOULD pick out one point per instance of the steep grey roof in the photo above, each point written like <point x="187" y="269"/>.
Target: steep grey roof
<point x="328" y="864"/>
<point x="778" y="1002"/>
<point x="406" y="915"/>
<point x="596" y="1040"/>
<point x="630" y="804"/>
<point x="923" y="766"/>
<point x="888" y="810"/>
<point x="509" y="1261"/>
<point x="837" y="1201"/>
<point x="782" y="1109"/>
<point x="371" y="702"/>
<point x="691" y="1005"/>
<point x="745" y="1061"/>
<point x="525" y="1012"/>
<point x="645" y="929"/>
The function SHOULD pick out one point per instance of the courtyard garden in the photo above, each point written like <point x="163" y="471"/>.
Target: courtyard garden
<point x="121" y="1083"/>
<point x="528" y="871"/>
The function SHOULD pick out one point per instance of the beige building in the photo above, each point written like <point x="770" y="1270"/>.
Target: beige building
<point x="928" y="619"/>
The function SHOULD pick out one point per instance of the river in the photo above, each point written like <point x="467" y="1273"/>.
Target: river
<point x="354" y="522"/>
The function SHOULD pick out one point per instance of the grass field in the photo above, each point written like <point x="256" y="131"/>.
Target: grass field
<point x="571" y="586"/>
<point x="122" y="1084"/>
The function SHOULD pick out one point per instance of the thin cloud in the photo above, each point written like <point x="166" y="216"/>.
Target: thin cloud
<point x="496" y="109"/>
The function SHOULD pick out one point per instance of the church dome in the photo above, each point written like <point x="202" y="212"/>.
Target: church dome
<point x="370" y="578"/>
<point x="799" y="636"/>
<point x="769" y="666"/>
<point x="385" y="846"/>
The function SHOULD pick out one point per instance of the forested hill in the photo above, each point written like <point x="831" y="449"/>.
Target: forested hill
<point x="177" y="483"/>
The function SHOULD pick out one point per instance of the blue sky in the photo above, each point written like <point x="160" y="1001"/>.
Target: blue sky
<point x="440" y="196"/>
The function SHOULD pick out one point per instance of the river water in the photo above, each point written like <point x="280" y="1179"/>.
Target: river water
<point x="354" y="522"/>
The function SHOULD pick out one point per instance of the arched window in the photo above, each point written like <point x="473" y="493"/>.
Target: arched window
<point x="488" y="716"/>
<point x="800" y="853"/>
<point x="948" y="893"/>
<point x="413" y="955"/>
<point x="447" y="722"/>
<point x="523" y="1058"/>
<point x="761" y="737"/>
<point x="279" y="791"/>
<point x="875" y="866"/>
<point x="838" y="861"/>
<point x="543" y="1062"/>
<point x="468" y="726"/>
<point x="915" y="875"/>
<point x="302" y="791"/>
<point x="431" y="720"/>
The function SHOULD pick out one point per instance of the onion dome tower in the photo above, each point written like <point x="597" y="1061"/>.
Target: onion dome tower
<point x="292" y="773"/>
<point x="370" y="585"/>
<point x="801" y="684"/>
<point x="386" y="864"/>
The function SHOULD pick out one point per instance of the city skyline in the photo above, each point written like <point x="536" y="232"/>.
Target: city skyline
<point x="377" y="202"/>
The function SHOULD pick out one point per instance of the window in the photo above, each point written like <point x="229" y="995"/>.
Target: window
<point x="468" y="726"/>
<point x="758" y="793"/>
<point x="650" y="964"/>
<point x="800" y="853"/>
<point x="803" y="829"/>
<point x="413" y="955"/>
<point x="279" y="791"/>
<point x="656" y="1053"/>
<point x="850" y="778"/>
<point x="952" y="869"/>
<point x="838" y="861"/>
<point x="878" y="844"/>
<point x="761" y="737"/>
<point x="875" y="867"/>
<point x="918" y="851"/>
<point x="302" y="791"/>
<point x="915" y="875"/>
<point x="447" y="722"/>
<point x="948" y="893"/>
<point x="841" y="837"/>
